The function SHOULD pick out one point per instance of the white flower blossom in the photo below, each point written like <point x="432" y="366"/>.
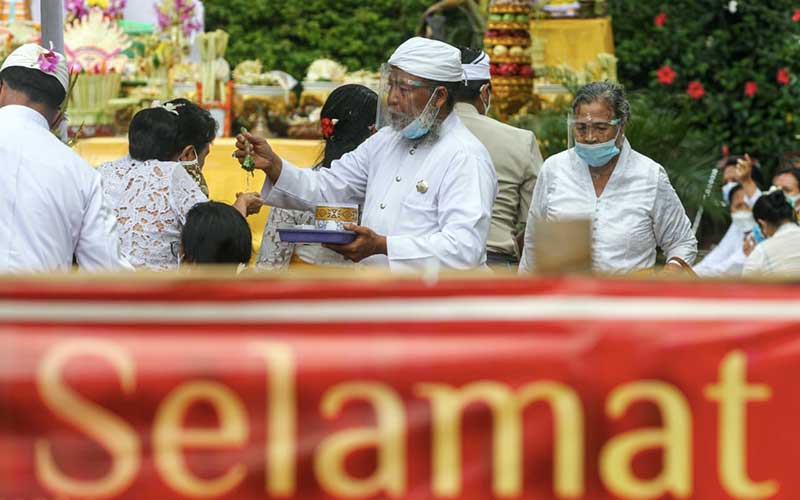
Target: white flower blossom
<point x="733" y="6"/>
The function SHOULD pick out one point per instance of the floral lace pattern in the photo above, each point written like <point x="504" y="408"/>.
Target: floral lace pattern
<point x="151" y="200"/>
<point x="276" y="255"/>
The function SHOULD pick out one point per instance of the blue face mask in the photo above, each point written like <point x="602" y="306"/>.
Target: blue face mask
<point x="598" y="155"/>
<point x="758" y="235"/>
<point x="423" y="123"/>
<point x="792" y="199"/>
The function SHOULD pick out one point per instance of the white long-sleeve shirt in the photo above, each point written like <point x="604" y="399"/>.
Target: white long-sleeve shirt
<point x="637" y="211"/>
<point x="778" y="255"/>
<point x="727" y="258"/>
<point x="51" y="202"/>
<point x="431" y="199"/>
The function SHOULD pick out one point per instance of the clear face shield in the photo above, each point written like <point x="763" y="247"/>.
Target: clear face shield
<point x="406" y="103"/>
<point x="593" y="140"/>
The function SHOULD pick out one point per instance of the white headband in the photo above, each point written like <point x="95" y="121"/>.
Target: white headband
<point x="478" y="69"/>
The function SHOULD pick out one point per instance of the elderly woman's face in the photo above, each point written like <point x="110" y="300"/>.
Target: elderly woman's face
<point x="594" y="123"/>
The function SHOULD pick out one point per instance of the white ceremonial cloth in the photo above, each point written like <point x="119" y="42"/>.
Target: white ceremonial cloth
<point x="429" y="59"/>
<point x="51" y="202"/>
<point x="776" y="256"/>
<point x="637" y="212"/>
<point x="444" y="223"/>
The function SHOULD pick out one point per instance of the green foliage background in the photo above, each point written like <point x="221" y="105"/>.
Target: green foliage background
<point x="723" y="48"/>
<point x="289" y="35"/>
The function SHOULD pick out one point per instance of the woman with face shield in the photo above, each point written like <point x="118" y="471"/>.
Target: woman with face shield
<point x="628" y="197"/>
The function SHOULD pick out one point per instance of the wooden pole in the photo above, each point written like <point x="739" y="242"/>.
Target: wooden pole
<point x="52" y="12"/>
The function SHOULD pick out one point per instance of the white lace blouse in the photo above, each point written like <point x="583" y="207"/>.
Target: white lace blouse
<point x="151" y="200"/>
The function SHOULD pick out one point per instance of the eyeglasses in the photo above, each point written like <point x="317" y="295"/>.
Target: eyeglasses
<point x="406" y="87"/>
<point x="600" y="128"/>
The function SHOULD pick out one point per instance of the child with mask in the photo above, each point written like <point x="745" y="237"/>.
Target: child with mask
<point x="151" y="190"/>
<point x="727" y="258"/>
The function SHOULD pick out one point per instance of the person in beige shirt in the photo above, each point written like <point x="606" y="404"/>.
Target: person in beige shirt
<point x="515" y="155"/>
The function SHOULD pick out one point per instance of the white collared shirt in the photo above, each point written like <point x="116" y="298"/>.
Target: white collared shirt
<point x="637" y="211"/>
<point x="51" y="202"/>
<point x="778" y="255"/>
<point x="431" y="199"/>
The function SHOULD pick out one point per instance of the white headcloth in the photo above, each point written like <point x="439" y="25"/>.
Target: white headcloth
<point x="49" y="62"/>
<point x="429" y="59"/>
<point x="478" y="69"/>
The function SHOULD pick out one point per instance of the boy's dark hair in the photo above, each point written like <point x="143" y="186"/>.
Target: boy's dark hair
<point x="37" y="86"/>
<point x="216" y="233"/>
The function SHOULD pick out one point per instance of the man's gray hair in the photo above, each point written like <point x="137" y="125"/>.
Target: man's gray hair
<point x="613" y="94"/>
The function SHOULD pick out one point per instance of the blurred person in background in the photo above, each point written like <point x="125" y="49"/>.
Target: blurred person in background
<point x="744" y="171"/>
<point x="779" y="253"/>
<point x="515" y="155"/>
<point x="787" y="179"/>
<point x="347" y="120"/>
<point x="727" y="258"/>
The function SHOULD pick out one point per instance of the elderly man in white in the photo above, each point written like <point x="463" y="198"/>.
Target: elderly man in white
<point x="425" y="183"/>
<point x="51" y="202"/>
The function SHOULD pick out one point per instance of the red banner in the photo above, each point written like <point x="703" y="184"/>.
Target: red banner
<point x="564" y="388"/>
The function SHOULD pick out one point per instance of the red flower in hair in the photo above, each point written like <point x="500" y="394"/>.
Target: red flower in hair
<point x="783" y="76"/>
<point x="666" y="75"/>
<point x="750" y="88"/>
<point x="796" y="15"/>
<point x="696" y="90"/>
<point x="327" y="125"/>
<point x="660" y="19"/>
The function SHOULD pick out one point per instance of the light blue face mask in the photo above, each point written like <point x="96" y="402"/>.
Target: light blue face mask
<point x="598" y="155"/>
<point x="792" y="199"/>
<point x="423" y="123"/>
<point x="758" y="235"/>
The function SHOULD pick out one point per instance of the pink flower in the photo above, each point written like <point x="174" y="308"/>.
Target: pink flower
<point x="796" y="15"/>
<point x="750" y="88"/>
<point x="660" y="19"/>
<point x="783" y="76"/>
<point x="666" y="75"/>
<point x="48" y="62"/>
<point x="696" y="90"/>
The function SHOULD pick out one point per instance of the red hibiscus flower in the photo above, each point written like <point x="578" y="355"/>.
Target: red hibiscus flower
<point x="726" y="150"/>
<point x="666" y="75"/>
<point x="696" y="90"/>
<point x="796" y="15"/>
<point x="327" y="125"/>
<point x="750" y="88"/>
<point x="783" y="76"/>
<point x="660" y="19"/>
